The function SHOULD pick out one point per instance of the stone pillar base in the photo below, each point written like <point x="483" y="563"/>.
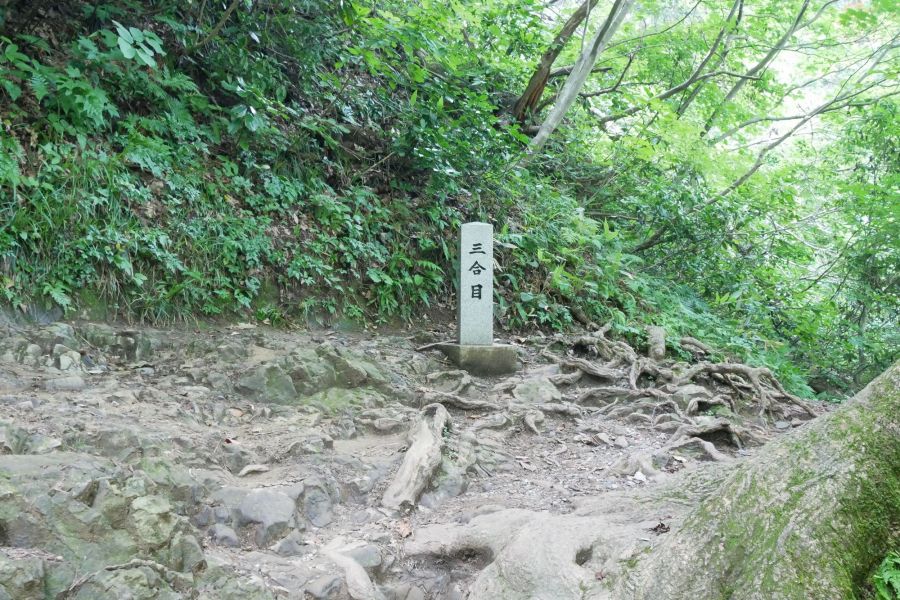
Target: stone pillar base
<point x="496" y="359"/>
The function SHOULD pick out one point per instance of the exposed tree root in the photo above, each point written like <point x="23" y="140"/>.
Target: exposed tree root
<point x="757" y="376"/>
<point x="432" y="396"/>
<point x="718" y="430"/>
<point x="420" y="461"/>
<point x="782" y="525"/>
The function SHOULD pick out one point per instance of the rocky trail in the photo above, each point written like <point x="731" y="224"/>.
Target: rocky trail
<point x="246" y="462"/>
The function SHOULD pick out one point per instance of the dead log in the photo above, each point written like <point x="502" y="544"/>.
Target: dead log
<point x="420" y="461"/>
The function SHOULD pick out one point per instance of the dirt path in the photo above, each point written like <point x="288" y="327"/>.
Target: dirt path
<point x="245" y="462"/>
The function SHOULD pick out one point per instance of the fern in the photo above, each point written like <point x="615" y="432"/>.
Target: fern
<point x="59" y="293"/>
<point x="887" y="578"/>
<point x="39" y="86"/>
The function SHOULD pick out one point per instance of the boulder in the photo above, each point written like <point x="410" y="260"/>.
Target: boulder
<point x="267" y="383"/>
<point x="272" y="511"/>
<point x="153" y="521"/>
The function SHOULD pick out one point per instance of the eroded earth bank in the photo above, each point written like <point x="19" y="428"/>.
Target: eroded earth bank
<point x="243" y="462"/>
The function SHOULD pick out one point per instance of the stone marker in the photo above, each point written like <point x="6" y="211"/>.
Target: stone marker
<point x="475" y="314"/>
<point x="475" y="350"/>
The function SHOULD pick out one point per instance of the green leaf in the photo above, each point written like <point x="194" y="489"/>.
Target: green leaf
<point x="123" y="32"/>
<point x="12" y="89"/>
<point x="127" y="49"/>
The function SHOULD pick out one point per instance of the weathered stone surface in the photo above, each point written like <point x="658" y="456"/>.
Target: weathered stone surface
<point x="309" y="370"/>
<point x="335" y="400"/>
<point x="224" y="535"/>
<point x="325" y="587"/>
<point x="497" y="359"/>
<point x="138" y="583"/>
<point x="271" y="510"/>
<point x="267" y="383"/>
<point x="537" y="391"/>
<point x="153" y="521"/>
<point x="317" y="503"/>
<point x="21" y="578"/>
<point x="292" y="544"/>
<point x="686" y="393"/>
<point x="72" y="383"/>
<point x="367" y="555"/>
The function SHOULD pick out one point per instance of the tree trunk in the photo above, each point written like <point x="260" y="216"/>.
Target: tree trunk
<point x="534" y="90"/>
<point x="807" y="517"/>
<point x="580" y="72"/>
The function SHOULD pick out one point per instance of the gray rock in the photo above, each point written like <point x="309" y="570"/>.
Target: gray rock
<point x="271" y="510"/>
<point x="217" y="381"/>
<point x="72" y="383"/>
<point x="367" y="555"/>
<point x="292" y="544"/>
<point x="309" y="370"/>
<point x="224" y="536"/>
<point x="603" y="438"/>
<point x="782" y="425"/>
<point x="537" y="391"/>
<point x="267" y="383"/>
<point x="325" y="587"/>
<point x="31" y="356"/>
<point x="317" y="505"/>
<point x="21" y="578"/>
<point x="236" y="457"/>
<point x="403" y="591"/>
<point x="621" y="442"/>
<point x="684" y="394"/>
<point x="70" y="361"/>
<point x="153" y="521"/>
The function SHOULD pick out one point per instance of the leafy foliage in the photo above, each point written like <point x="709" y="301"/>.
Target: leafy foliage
<point x="886" y="580"/>
<point x="314" y="159"/>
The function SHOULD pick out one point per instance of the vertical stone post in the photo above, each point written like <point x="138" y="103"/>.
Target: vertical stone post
<point x="475" y="316"/>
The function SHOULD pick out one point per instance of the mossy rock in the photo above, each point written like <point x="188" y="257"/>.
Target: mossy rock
<point x="336" y="400"/>
<point x="267" y="383"/>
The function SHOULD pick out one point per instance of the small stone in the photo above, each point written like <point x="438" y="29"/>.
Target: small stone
<point x="782" y="425"/>
<point x="639" y="476"/>
<point x="796" y="423"/>
<point x="621" y="442"/>
<point x="224" y="536"/>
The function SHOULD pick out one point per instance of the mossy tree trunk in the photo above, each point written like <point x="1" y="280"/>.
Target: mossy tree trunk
<point x="808" y="517"/>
